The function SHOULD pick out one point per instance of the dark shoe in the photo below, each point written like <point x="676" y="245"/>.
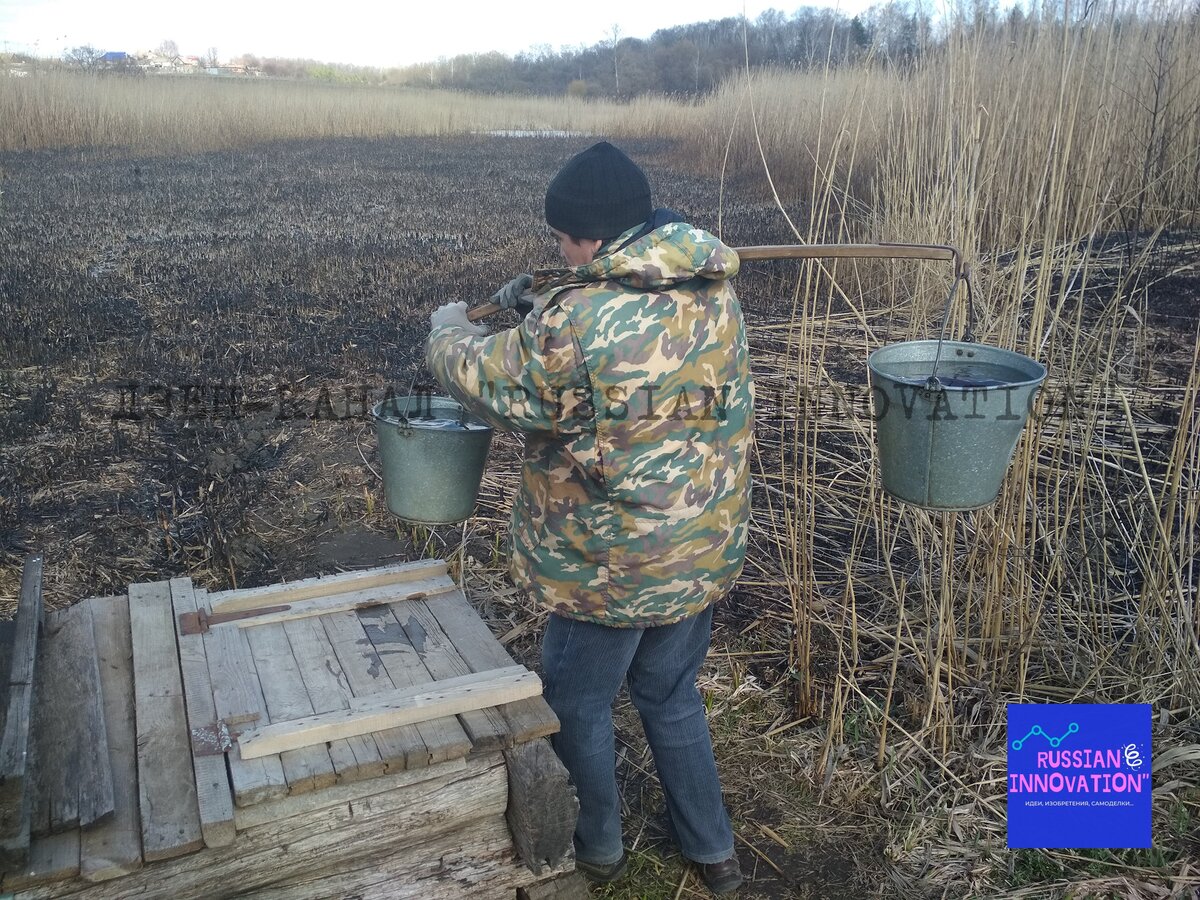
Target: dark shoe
<point x="723" y="877"/>
<point x="605" y="874"/>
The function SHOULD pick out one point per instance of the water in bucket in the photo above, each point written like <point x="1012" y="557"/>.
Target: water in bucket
<point x="946" y="442"/>
<point x="433" y="455"/>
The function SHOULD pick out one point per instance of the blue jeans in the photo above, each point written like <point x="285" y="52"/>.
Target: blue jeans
<point x="584" y="665"/>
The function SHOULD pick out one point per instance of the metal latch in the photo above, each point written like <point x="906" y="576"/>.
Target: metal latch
<point x="201" y="621"/>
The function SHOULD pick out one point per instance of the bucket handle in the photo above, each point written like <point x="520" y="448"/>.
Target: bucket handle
<point x="932" y="383"/>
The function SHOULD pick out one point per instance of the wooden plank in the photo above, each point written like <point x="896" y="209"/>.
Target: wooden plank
<point x="328" y="689"/>
<point x="170" y="815"/>
<point x="214" y="795"/>
<point x="399" y="748"/>
<point x="54" y="857"/>
<point x="113" y="847"/>
<point x="14" y="851"/>
<point x="73" y="783"/>
<point x="308" y="588"/>
<point x="454" y="695"/>
<point x="6" y="639"/>
<point x="444" y="736"/>
<point x="528" y="719"/>
<point x="238" y="698"/>
<point x="14" y="848"/>
<point x="487" y="728"/>
<point x="301" y="804"/>
<point x="364" y="599"/>
<point x="14" y="742"/>
<point x="306" y="768"/>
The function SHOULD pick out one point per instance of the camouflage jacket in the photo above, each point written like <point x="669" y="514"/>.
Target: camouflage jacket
<point x="631" y="382"/>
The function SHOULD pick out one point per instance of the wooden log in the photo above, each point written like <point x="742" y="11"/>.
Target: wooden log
<point x="474" y="863"/>
<point x="300" y="804"/>
<point x="328" y="689"/>
<point x="383" y="711"/>
<point x="307" y="768"/>
<point x="214" y="796"/>
<point x="528" y="719"/>
<point x="170" y="815"/>
<point x="426" y="829"/>
<point x="113" y="847"/>
<point x="562" y="887"/>
<point x="73" y="784"/>
<point x="238" y="698"/>
<point x="14" y="741"/>
<point x="542" y="807"/>
<point x="306" y="589"/>
<point x="487" y="728"/>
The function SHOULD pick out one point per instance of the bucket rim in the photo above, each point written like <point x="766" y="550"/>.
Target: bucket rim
<point x="929" y="342"/>
<point x="376" y="414"/>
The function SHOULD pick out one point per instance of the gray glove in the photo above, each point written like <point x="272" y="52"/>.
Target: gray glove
<point x="515" y="294"/>
<point x="455" y="314"/>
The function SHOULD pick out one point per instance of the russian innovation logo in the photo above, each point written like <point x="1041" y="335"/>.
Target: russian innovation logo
<point x="1079" y="775"/>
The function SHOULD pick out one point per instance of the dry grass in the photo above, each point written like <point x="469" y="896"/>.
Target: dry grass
<point x="165" y="115"/>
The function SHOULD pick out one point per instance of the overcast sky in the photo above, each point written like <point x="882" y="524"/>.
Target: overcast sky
<point x="363" y="32"/>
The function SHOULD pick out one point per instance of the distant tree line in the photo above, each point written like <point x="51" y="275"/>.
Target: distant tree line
<point x="684" y="60"/>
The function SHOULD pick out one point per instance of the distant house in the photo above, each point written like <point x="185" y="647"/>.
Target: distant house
<point x="155" y="62"/>
<point x="114" y="58"/>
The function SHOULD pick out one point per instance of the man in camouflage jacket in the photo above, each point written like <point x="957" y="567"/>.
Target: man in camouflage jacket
<point x="630" y="380"/>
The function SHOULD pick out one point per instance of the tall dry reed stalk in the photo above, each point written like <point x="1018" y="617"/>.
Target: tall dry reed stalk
<point x="1055" y="159"/>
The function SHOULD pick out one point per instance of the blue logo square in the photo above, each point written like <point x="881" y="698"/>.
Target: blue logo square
<point x="1079" y="775"/>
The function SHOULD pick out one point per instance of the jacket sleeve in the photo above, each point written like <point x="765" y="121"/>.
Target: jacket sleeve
<point x="529" y="378"/>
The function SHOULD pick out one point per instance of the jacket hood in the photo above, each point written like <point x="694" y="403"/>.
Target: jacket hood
<point x="669" y="255"/>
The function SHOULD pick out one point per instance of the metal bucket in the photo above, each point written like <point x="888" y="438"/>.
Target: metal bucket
<point x="946" y="442"/>
<point x="432" y="453"/>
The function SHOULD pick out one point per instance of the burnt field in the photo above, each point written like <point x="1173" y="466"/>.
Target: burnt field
<point x="189" y="344"/>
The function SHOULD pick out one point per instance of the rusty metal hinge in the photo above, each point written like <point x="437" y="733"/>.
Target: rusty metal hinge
<point x="201" y="621"/>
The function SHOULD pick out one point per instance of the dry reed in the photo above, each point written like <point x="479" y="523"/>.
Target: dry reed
<point x="1046" y="158"/>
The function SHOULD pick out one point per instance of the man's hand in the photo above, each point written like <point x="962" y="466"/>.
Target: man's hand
<point x="514" y="294"/>
<point x="456" y="314"/>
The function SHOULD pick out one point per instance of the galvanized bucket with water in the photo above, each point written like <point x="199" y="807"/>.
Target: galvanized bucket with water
<point x="948" y="417"/>
<point x="432" y="454"/>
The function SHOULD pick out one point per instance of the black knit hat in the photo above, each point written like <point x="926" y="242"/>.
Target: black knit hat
<point x="598" y="194"/>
